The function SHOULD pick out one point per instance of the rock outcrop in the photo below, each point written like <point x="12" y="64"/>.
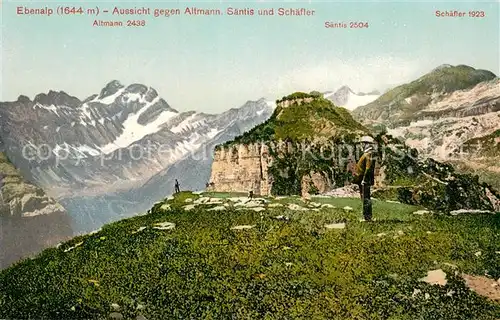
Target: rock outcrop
<point x="241" y="168"/>
<point x="244" y="168"/>
<point x="286" y="154"/>
<point x="30" y="220"/>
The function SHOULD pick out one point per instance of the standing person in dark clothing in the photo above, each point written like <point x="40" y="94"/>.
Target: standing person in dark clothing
<point x="177" y="187"/>
<point x="365" y="175"/>
<point x="250" y="192"/>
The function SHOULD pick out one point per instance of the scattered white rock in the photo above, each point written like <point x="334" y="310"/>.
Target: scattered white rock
<point x="327" y="205"/>
<point x="201" y="200"/>
<point x="335" y="226"/>
<point x="296" y="207"/>
<point x="140" y="307"/>
<point x="249" y="204"/>
<point x="170" y="198"/>
<point x="477" y="254"/>
<point x="461" y="211"/>
<point x="288" y="264"/>
<point x="189" y="207"/>
<point x="347" y="208"/>
<point x="188" y="200"/>
<point x="227" y="205"/>
<point x="350" y="191"/>
<point x="400" y="233"/>
<point x="429" y="232"/>
<point x="237" y="199"/>
<point x="197" y="192"/>
<point x="421" y="212"/>
<point x="427" y="296"/>
<point x="258" y="209"/>
<point x="138" y="230"/>
<point x="435" y="277"/>
<point x="242" y="227"/>
<point x="275" y="205"/>
<point x="287" y="248"/>
<point x="115" y="306"/>
<point x="450" y="293"/>
<point x="164" y="225"/>
<point x="381" y="234"/>
<point x="165" y="207"/>
<point x="315" y="204"/>
<point x="392" y="201"/>
<point x="316" y="209"/>
<point x="218" y="208"/>
<point x="116" y="315"/>
<point x="416" y="292"/>
<point x="73" y="247"/>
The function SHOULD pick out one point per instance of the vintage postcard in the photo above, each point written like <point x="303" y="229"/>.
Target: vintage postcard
<point x="250" y="159"/>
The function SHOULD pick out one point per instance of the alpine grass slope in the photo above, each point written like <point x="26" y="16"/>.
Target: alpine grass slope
<point x="221" y="256"/>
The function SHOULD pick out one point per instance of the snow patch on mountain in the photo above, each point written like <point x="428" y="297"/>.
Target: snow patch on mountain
<point x="52" y="107"/>
<point x="111" y="98"/>
<point x="356" y="101"/>
<point x="345" y="97"/>
<point x="190" y="123"/>
<point x="66" y="150"/>
<point x="133" y="130"/>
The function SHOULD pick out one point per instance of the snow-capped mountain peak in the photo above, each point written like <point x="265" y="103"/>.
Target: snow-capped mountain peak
<point x="349" y="99"/>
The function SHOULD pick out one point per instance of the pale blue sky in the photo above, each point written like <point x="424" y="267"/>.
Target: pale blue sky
<point x="214" y="63"/>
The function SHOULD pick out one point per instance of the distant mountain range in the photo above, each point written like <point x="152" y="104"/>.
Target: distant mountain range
<point x="413" y="101"/>
<point x="112" y="143"/>
<point x="451" y="114"/>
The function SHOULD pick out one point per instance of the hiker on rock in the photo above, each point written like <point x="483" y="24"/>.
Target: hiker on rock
<point x="177" y="187"/>
<point x="365" y="175"/>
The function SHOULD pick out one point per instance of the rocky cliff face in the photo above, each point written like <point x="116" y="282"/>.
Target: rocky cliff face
<point x="241" y="168"/>
<point x="29" y="220"/>
<point x="285" y="155"/>
<point x="448" y="129"/>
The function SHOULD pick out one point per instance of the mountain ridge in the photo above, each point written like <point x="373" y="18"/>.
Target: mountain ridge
<point x="400" y="103"/>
